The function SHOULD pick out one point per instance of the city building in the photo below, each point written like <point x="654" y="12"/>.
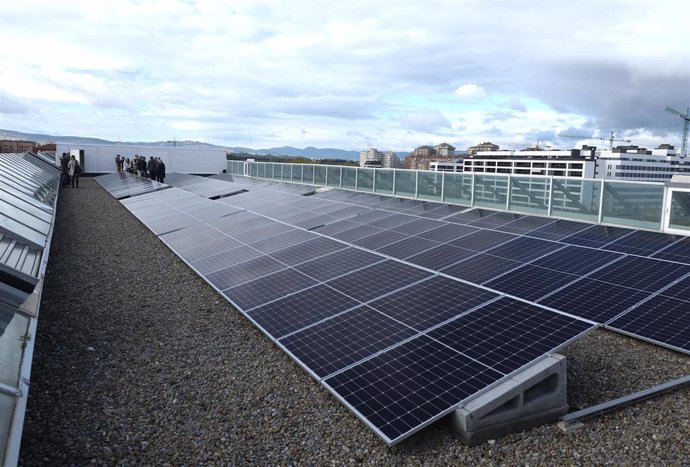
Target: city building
<point x="374" y="158"/>
<point x="636" y="163"/>
<point x="16" y="146"/>
<point x="486" y="146"/>
<point x="423" y="156"/>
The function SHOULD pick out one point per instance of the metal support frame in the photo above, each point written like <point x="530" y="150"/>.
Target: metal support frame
<point x="416" y="184"/>
<point x="356" y="178"/>
<point x="474" y="174"/>
<point x="373" y="181"/>
<point x="443" y="186"/>
<point x="601" y="201"/>
<point x="549" y="207"/>
<point x="394" y="172"/>
<point x="625" y="400"/>
<point x="508" y="193"/>
<point x="341" y="178"/>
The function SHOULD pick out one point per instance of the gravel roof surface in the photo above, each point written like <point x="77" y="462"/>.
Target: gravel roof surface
<point x="138" y="361"/>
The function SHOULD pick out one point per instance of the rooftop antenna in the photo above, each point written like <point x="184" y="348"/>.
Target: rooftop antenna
<point x="686" y="117"/>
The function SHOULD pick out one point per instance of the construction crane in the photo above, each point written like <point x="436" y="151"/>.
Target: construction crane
<point x="610" y="139"/>
<point x="686" y="117"/>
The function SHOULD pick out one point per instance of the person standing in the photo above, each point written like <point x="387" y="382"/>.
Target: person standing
<point x="127" y="165"/>
<point x="161" y="170"/>
<point x="152" y="167"/>
<point x="64" y="170"/>
<point x="118" y="163"/>
<point x="74" y="171"/>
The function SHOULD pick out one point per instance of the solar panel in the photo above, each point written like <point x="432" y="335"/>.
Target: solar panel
<point x="299" y="310"/>
<point x="337" y="227"/>
<point x="661" y="319"/>
<point x="594" y="300"/>
<point x="224" y="259"/>
<point x="202" y="250"/>
<point x="407" y="247"/>
<point x="481" y="268"/>
<point x="678" y="251"/>
<point x="388" y="221"/>
<point x="641" y="273"/>
<point x="338" y="263"/>
<point x="447" y="232"/>
<point x="263" y="232"/>
<point x="268" y="288"/>
<point x="558" y="230"/>
<point x="482" y="240"/>
<point x="431" y="302"/>
<point x="377" y="280"/>
<point x="338" y="342"/>
<point x="679" y="290"/>
<point x="496" y="220"/>
<point x="440" y="257"/>
<point x="417" y="226"/>
<point x="380" y="239"/>
<point x="524" y="249"/>
<point x="525" y="224"/>
<point x="405" y="388"/>
<point x="507" y="334"/>
<point x="356" y="233"/>
<point x="597" y="236"/>
<point x="531" y="282"/>
<point x="641" y="243"/>
<point x="243" y="272"/>
<point x="577" y="260"/>
<point x="305" y="251"/>
<point x="469" y="216"/>
<point x="282" y="240"/>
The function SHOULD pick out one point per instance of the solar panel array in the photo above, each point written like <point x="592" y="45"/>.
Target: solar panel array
<point x="203" y="186"/>
<point x="406" y="308"/>
<point x="124" y="184"/>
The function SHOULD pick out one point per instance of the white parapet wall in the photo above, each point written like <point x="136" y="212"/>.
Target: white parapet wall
<point x="100" y="158"/>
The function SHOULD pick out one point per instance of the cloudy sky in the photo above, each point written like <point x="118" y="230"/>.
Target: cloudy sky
<point x="348" y="74"/>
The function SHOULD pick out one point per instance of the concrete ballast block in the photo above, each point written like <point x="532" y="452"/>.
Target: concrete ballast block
<point x="535" y="396"/>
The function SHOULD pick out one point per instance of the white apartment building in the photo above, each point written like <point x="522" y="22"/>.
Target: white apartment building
<point x="635" y="163"/>
<point x="560" y="163"/>
<point x="374" y="158"/>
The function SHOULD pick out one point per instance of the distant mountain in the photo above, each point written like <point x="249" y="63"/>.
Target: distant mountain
<point x="289" y="151"/>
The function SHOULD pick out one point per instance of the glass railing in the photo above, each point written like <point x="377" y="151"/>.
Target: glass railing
<point x="612" y="202"/>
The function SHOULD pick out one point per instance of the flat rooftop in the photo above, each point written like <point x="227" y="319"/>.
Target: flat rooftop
<point x="137" y="360"/>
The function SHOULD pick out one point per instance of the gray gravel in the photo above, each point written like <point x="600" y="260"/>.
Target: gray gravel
<point x="138" y="361"/>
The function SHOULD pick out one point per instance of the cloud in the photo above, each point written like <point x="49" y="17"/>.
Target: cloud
<point x="470" y="91"/>
<point x="11" y="105"/>
<point x="425" y="121"/>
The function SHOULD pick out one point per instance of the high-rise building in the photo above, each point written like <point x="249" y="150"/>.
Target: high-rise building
<point x="374" y="158"/>
<point x="421" y="157"/>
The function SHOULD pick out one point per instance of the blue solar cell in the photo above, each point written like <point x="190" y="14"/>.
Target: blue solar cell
<point x="282" y="240"/>
<point x="447" y="232"/>
<point x="407" y="248"/>
<point x="224" y="259"/>
<point x="525" y="224"/>
<point x="305" y="251"/>
<point x="431" y="302"/>
<point x="507" y="334"/>
<point x="440" y="257"/>
<point x="531" y="282"/>
<point x="482" y="240"/>
<point x="338" y="263"/>
<point x="679" y="290"/>
<point x="642" y="243"/>
<point x="377" y="280"/>
<point x="268" y="288"/>
<point x="496" y="220"/>
<point x="597" y="236"/>
<point x="678" y="251"/>
<point x="299" y="310"/>
<point x="594" y="300"/>
<point x="243" y="272"/>
<point x="524" y="249"/>
<point x="336" y="227"/>
<point x="338" y="342"/>
<point x="641" y="273"/>
<point x="577" y="260"/>
<point x="661" y="319"/>
<point x="558" y="230"/>
<point x="389" y="221"/>
<point x="356" y="233"/>
<point x="481" y="268"/>
<point x="418" y="226"/>
<point x="469" y="216"/>
<point x="380" y="239"/>
<point x="406" y="388"/>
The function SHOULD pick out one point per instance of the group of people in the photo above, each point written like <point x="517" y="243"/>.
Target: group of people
<point x="70" y="170"/>
<point x="154" y="168"/>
